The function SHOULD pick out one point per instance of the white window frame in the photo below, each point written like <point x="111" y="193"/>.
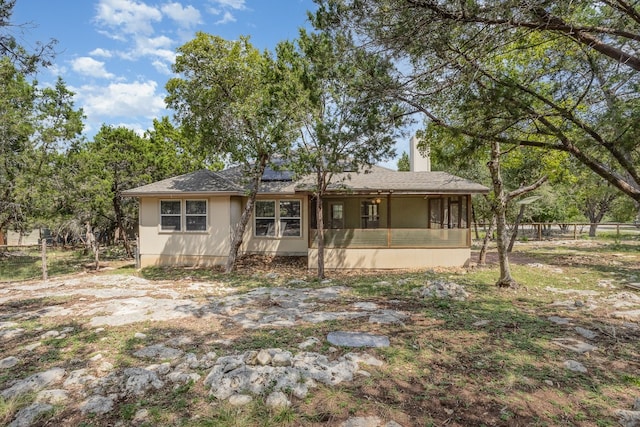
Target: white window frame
<point x="183" y="215"/>
<point x="179" y="215"/>
<point x="280" y="219"/>
<point x="273" y="218"/>
<point x="279" y="228"/>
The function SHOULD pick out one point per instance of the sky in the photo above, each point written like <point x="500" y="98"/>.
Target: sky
<point x="116" y="55"/>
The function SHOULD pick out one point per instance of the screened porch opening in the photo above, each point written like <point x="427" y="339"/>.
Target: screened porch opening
<point x="394" y="221"/>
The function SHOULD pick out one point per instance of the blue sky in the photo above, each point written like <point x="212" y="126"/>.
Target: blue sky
<point x="116" y="55"/>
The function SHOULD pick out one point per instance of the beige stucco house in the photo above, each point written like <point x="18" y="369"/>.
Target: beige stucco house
<point x="375" y="219"/>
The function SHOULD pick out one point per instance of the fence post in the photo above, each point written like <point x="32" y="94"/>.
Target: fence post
<point x="44" y="259"/>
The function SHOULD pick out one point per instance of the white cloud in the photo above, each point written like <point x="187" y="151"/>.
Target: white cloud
<point x="225" y="8"/>
<point x="138" y="99"/>
<point x="185" y="16"/>
<point x="232" y="4"/>
<point x="101" y="53"/>
<point x="138" y="128"/>
<point x="226" y="18"/>
<point x="90" y="67"/>
<point x="162" y="67"/>
<point x="127" y="16"/>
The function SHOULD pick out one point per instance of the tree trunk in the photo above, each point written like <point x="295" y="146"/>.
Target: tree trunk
<point x="117" y="208"/>
<point x="514" y="235"/>
<point x="482" y="257"/>
<point x="320" y="235"/>
<point x="93" y="244"/>
<point x="475" y="221"/>
<point x="238" y="231"/>
<point x="593" y="227"/>
<point x="499" y="210"/>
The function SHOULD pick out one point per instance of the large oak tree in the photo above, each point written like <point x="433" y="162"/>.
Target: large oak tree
<point x="237" y="103"/>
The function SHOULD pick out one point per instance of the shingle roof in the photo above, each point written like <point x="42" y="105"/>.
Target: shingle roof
<point x="386" y="180"/>
<point x="199" y="182"/>
<point x="376" y="179"/>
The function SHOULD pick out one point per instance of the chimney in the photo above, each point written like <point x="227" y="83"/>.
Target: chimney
<point x="419" y="156"/>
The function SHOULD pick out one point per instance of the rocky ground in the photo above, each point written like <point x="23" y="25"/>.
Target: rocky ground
<point x="83" y="348"/>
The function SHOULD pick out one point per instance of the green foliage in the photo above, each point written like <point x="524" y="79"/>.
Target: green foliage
<point x="24" y="61"/>
<point x="240" y="104"/>
<point x="233" y="100"/>
<point x="34" y="125"/>
<point x="403" y="162"/>
<point x="562" y="77"/>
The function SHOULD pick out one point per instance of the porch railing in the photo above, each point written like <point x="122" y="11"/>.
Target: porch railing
<point x="393" y="238"/>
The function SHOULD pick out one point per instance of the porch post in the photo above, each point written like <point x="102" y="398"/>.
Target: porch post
<point x="469" y="218"/>
<point x="389" y="220"/>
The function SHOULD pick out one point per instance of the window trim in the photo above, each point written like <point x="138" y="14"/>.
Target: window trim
<point x="278" y="228"/>
<point x="332" y="220"/>
<point x="370" y="215"/>
<point x="183" y="216"/>
<point x="274" y="218"/>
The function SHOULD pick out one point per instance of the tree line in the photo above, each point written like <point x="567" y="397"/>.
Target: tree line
<point x="524" y="96"/>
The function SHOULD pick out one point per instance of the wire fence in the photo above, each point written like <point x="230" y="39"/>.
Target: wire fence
<point x="30" y="262"/>
<point x="568" y="231"/>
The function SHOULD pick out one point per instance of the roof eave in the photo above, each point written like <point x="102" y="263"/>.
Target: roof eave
<point x="181" y="194"/>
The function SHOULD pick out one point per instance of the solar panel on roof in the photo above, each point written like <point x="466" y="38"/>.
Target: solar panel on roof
<point x="279" y="175"/>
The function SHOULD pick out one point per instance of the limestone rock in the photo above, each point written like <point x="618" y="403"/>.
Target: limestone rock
<point x="362" y="422"/>
<point x="97" y="405"/>
<point x="628" y="418"/>
<point x="263" y="357"/>
<point x="440" y="289"/>
<point x="586" y="333"/>
<point x="55" y="396"/>
<point x="8" y="362"/>
<point x="78" y="378"/>
<point x="277" y="400"/>
<point x="357" y="339"/>
<point x="159" y="351"/>
<point x="574" y="345"/>
<point x="35" y="382"/>
<point x="558" y="320"/>
<point x="26" y="416"/>
<point x="141" y="416"/>
<point x="308" y="343"/>
<point x="9" y="334"/>
<point x="575" y="366"/>
<point x="138" y="381"/>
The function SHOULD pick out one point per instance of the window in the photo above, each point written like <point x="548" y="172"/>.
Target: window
<point x="285" y="221"/>
<point x="448" y="212"/>
<point x="170" y="217"/>
<point x="196" y="215"/>
<point x="290" y="218"/>
<point x="369" y="216"/>
<point x="190" y="215"/>
<point x="266" y="218"/>
<point x="337" y="215"/>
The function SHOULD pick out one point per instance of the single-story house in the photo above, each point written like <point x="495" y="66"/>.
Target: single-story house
<point x="376" y="219"/>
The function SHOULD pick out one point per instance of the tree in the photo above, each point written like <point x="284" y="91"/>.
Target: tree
<point x="34" y="124"/>
<point x="236" y="103"/>
<point x="403" y="162"/>
<point x="552" y="75"/>
<point x="118" y="159"/>
<point x="24" y="61"/>
<point x="346" y="127"/>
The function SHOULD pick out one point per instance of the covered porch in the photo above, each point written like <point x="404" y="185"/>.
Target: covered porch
<point x="390" y="230"/>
